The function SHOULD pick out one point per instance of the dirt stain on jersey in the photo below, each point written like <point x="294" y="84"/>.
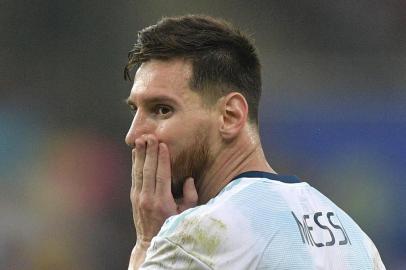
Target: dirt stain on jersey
<point x="201" y="237"/>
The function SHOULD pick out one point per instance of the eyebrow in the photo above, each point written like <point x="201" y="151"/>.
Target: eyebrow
<point x="152" y="100"/>
<point x="129" y="102"/>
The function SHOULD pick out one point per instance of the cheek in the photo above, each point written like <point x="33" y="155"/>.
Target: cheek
<point x="166" y="131"/>
<point x="172" y="134"/>
<point x="176" y="135"/>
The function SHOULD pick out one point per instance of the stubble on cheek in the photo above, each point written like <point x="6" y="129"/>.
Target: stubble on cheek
<point x="190" y="162"/>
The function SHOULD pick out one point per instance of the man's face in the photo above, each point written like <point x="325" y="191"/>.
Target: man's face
<point x="166" y="107"/>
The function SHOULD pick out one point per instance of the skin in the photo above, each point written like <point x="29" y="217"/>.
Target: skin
<point x="175" y="138"/>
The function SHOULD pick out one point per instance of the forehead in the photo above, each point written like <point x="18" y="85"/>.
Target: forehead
<point x="158" y="77"/>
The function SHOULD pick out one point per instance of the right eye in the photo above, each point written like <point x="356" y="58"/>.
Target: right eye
<point x="163" y="111"/>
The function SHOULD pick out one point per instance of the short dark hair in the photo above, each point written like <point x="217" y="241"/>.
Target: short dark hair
<point x="223" y="58"/>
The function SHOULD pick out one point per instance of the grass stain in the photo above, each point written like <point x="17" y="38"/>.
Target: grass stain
<point x="201" y="236"/>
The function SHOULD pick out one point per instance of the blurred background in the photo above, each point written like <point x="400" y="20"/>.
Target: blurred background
<point x="333" y="113"/>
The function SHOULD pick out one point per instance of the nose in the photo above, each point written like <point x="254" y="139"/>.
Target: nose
<point x="139" y="126"/>
<point x="130" y="138"/>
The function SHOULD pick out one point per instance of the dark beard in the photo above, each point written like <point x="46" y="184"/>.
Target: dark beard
<point x="191" y="162"/>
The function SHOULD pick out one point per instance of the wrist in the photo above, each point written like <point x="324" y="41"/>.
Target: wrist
<point x="138" y="254"/>
<point x="142" y="245"/>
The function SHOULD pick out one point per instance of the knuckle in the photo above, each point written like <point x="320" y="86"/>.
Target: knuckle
<point x="147" y="171"/>
<point x="160" y="207"/>
<point x="145" y="203"/>
<point x="138" y="174"/>
<point x="160" y="179"/>
<point x="133" y="196"/>
<point x="158" y="204"/>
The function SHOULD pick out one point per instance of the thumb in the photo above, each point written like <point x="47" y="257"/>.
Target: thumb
<point x="190" y="196"/>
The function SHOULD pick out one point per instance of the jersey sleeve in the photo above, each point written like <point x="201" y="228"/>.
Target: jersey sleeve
<point x="165" y="254"/>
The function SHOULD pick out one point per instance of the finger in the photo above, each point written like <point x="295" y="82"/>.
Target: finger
<point x="150" y="165"/>
<point x="139" y="163"/>
<point x="163" y="173"/>
<point x="190" y="196"/>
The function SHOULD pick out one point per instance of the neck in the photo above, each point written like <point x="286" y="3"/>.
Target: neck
<point x="236" y="158"/>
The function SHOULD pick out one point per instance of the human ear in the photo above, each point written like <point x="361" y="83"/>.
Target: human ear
<point x="234" y="113"/>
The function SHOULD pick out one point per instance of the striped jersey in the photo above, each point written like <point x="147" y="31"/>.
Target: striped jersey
<point x="263" y="221"/>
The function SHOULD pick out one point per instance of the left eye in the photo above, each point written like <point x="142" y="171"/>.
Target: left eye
<point x="163" y="110"/>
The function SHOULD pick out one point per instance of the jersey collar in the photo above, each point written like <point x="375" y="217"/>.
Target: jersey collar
<point x="272" y="176"/>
